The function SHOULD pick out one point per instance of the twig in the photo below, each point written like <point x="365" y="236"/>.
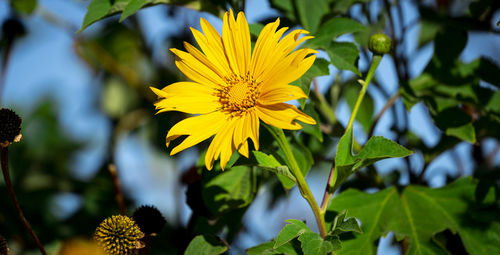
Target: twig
<point x="118" y="192"/>
<point x="390" y="102"/>
<point x="4" y="151"/>
<point x="328" y="192"/>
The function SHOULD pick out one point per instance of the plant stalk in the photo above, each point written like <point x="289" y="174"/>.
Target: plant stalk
<point x="279" y="135"/>
<point x="4" y="151"/>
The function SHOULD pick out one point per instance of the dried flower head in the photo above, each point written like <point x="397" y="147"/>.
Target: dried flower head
<point x="149" y="219"/>
<point x="10" y="127"/>
<point x="118" y="235"/>
<point x="233" y="87"/>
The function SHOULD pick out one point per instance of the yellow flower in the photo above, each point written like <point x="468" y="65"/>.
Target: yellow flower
<point x="234" y="88"/>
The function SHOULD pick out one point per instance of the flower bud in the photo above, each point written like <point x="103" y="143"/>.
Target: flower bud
<point x="379" y="44"/>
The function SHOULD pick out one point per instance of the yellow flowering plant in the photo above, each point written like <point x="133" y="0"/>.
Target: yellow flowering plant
<point x="235" y="87"/>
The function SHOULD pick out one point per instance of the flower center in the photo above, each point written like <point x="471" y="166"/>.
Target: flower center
<point x="239" y="94"/>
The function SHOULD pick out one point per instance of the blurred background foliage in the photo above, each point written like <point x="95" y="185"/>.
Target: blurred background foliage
<point x="427" y="69"/>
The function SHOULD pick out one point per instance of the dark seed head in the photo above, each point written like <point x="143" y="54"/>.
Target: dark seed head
<point x="10" y="126"/>
<point x="149" y="219"/>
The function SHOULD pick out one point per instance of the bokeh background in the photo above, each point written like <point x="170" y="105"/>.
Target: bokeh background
<point x="85" y="103"/>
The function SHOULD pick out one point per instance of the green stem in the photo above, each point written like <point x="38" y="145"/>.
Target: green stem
<point x="375" y="62"/>
<point x="333" y="174"/>
<point x="301" y="182"/>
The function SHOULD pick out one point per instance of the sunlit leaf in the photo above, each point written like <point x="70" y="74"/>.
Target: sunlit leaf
<point x="206" y="245"/>
<point x="333" y="28"/>
<point x="418" y="213"/>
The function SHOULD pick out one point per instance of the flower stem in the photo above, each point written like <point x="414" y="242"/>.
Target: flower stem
<point x="4" y="151"/>
<point x="375" y="62"/>
<point x="301" y="182"/>
<point x="329" y="186"/>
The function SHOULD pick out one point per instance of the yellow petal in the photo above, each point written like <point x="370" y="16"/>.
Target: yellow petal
<point x="289" y="69"/>
<point x="291" y="40"/>
<point x="183" y="88"/>
<point x="251" y="126"/>
<point x="197" y="128"/>
<point x="283" y="116"/>
<point x="203" y="59"/>
<point x="240" y="136"/>
<point x="214" y="149"/>
<point x="188" y="97"/>
<point x="269" y="54"/>
<point x="243" y="149"/>
<point x="227" y="149"/>
<point x="246" y="46"/>
<point x="280" y="93"/>
<point x="211" y="45"/>
<point x="231" y="42"/>
<point x="266" y="39"/>
<point x="196" y="70"/>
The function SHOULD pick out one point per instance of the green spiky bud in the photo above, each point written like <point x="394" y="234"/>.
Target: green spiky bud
<point x="379" y="44"/>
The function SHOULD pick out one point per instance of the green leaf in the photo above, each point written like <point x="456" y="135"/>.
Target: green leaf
<point x="303" y="156"/>
<point x="268" y="162"/>
<point x="494" y="103"/>
<point x="206" y="245"/>
<point x="342" y="225"/>
<point x="465" y="132"/>
<point x="419" y="213"/>
<point x="255" y="29"/>
<point x="319" y="68"/>
<point x="285" y="6"/>
<point x="290" y="232"/>
<point x="24" y="6"/>
<point x="455" y="122"/>
<point x="332" y="29"/>
<point x="314" y="244"/>
<point x="377" y="148"/>
<point x="132" y="7"/>
<point x="344" y="56"/>
<point x="375" y="211"/>
<point x="310" y="14"/>
<point x="313" y="130"/>
<point x="230" y="189"/>
<point x="96" y="10"/>
<point x="99" y="9"/>
<point x="267" y="249"/>
<point x="341" y="6"/>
